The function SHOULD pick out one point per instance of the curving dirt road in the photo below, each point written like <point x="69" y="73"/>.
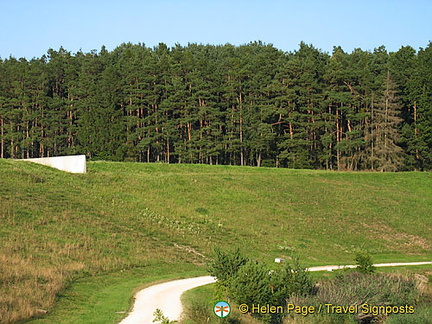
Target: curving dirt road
<point x="166" y="296"/>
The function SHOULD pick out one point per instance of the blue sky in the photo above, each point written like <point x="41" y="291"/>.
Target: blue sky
<point x="29" y="28"/>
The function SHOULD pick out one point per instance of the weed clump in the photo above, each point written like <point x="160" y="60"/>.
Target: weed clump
<point x="355" y="297"/>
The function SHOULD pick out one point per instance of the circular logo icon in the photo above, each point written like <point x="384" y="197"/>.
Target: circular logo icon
<point x="222" y="309"/>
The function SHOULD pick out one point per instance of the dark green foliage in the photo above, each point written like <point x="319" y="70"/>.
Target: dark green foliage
<point x="258" y="283"/>
<point x="225" y="266"/>
<point x="291" y="279"/>
<point x="364" y="263"/>
<point x="236" y="105"/>
<point x="250" y="282"/>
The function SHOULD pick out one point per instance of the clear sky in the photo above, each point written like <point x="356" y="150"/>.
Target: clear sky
<point x="29" y="28"/>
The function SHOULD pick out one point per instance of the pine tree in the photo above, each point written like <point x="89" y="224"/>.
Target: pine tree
<point x="421" y="89"/>
<point x="402" y="68"/>
<point x="383" y="136"/>
<point x="304" y="96"/>
<point x="245" y="105"/>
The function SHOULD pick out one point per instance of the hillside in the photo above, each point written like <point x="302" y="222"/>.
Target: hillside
<point x="58" y="226"/>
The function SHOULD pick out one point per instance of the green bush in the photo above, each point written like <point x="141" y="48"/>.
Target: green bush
<point x="224" y="267"/>
<point x="249" y="282"/>
<point x="252" y="284"/>
<point x="364" y="263"/>
<point x="291" y="279"/>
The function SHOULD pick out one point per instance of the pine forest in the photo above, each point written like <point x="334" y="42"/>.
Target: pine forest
<point x="251" y="105"/>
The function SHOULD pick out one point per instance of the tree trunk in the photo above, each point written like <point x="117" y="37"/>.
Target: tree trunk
<point x="2" y="138"/>
<point x="338" y="139"/>
<point x="241" y="130"/>
<point x="372" y="136"/>
<point x="415" y="128"/>
<point x="168" y="154"/>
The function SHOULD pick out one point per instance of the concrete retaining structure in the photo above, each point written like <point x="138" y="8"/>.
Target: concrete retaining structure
<point x="73" y="163"/>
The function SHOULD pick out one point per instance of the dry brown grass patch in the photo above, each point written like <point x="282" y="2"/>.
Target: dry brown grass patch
<point x="400" y="241"/>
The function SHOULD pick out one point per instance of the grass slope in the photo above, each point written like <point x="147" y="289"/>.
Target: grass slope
<point x="58" y="226"/>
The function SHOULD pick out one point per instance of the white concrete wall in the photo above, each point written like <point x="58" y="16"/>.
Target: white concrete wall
<point x="73" y="163"/>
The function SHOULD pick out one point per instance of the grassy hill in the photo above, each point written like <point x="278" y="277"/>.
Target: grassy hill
<point x="57" y="227"/>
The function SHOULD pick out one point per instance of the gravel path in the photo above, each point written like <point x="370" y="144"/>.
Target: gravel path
<point x="166" y="296"/>
<point x="378" y="265"/>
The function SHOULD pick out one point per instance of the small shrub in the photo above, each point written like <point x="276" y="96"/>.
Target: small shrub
<point x="364" y="263"/>
<point x="160" y="318"/>
<point x="224" y="267"/>
<point x="252" y="284"/>
<point x="292" y="279"/>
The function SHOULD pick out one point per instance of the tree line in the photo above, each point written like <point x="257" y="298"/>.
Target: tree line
<point x="249" y="105"/>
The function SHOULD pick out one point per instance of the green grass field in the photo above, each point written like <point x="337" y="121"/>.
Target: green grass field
<point x="122" y="219"/>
